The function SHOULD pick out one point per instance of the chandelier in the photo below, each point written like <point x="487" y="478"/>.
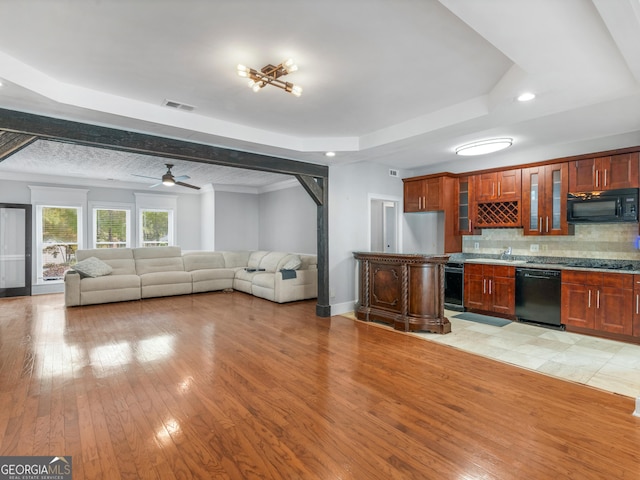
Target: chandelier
<point x="271" y="75"/>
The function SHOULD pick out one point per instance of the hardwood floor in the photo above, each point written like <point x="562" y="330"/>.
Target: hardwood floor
<point x="225" y="385"/>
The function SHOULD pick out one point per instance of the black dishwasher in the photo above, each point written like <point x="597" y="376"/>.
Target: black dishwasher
<point x="538" y="296"/>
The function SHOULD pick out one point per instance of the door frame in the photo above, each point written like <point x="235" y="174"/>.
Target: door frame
<point x="385" y="198"/>
<point x="26" y="289"/>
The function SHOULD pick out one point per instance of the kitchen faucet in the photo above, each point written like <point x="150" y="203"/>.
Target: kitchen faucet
<point x="505" y="254"/>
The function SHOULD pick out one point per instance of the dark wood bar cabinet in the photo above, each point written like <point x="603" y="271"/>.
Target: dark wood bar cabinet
<point x="403" y="290"/>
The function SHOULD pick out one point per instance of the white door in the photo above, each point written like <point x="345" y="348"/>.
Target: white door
<point x="390" y="226"/>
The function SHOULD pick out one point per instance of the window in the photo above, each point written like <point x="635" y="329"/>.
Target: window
<point x="156" y="219"/>
<point x="58" y="239"/>
<point x="156" y="227"/>
<point x="111" y="227"/>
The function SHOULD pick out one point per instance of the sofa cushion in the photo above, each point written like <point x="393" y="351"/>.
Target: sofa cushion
<point x="164" y="278"/>
<point x="254" y="259"/>
<point x="110" y="282"/>
<point x="242" y="280"/>
<point x="158" y="259"/>
<point x="213" y="274"/>
<point x="269" y="263"/>
<point x="266" y="280"/>
<point x="309" y="262"/>
<point x="236" y="259"/>
<point x="203" y="261"/>
<point x="290" y="262"/>
<point x="119" y="259"/>
<point x="92" y="267"/>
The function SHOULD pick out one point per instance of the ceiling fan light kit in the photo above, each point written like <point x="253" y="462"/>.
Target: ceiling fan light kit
<point x="271" y="75"/>
<point x="169" y="180"/>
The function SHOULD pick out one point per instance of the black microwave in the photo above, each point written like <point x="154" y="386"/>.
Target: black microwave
<point x="609" y="206"/>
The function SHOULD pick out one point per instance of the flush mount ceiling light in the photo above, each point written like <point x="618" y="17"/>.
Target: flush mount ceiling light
<point x="270" y="75"/>
<point x="526" y="96"/>
<point x="484" y="146"/>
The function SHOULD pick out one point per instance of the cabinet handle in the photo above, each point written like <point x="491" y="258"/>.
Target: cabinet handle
<point x="540" y="227"/>
<point x="470" y="228"/>
<point x="493" y="189"/>
<point x="419" y="203"/>
<point x="598" y="299"/>
<point x="489" y="286"/>
<point x="597" y="178"/>
<point x="637" y="304"/>
<point x="498" y="189"/>
<point x="547" y="224"/>
<point x="484" y="286"/>
<point x="589" y="304"/>
<point x="605" y="178"/>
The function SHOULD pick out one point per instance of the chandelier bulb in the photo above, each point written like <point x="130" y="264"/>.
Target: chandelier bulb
<point x="243" y="71"/>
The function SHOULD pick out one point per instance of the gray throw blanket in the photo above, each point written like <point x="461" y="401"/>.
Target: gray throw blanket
<point x="287" y="274"/>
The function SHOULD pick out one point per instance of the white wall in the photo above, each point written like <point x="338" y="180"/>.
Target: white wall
<point x="188" y="229"/>
<point x="350" y="189"/>
<point x="423" y="232"/>
<point x="237" y="221"/>
<point x="288" y="221"/>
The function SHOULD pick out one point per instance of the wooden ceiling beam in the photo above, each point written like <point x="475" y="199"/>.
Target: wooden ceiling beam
<point x="11" y="142"/>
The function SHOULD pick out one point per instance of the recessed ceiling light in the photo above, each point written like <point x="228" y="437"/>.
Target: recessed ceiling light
<point x="484" y="146"/>
<point x="330" y="154"/>
<point x="526" y="96"/>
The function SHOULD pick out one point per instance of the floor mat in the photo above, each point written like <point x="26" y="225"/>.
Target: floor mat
<point x="476" y="317"/>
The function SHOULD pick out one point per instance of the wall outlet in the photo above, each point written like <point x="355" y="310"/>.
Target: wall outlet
<point x="476" y="245"/>
<point x="534" y="247"/>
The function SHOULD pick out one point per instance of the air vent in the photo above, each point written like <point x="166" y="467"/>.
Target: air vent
<point x="393" y="173"/>
<point x="178" y="105"/>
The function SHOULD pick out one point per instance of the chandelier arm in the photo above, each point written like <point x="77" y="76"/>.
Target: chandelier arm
<point x="269" y="75"/>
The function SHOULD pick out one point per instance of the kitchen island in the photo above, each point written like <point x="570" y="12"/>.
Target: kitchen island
<point x="402" y="290"/>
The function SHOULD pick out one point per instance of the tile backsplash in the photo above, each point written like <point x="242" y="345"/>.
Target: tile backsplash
<point x="606" y="241"/>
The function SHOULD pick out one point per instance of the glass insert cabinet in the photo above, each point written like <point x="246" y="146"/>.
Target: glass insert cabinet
<point x="543" y="191"/>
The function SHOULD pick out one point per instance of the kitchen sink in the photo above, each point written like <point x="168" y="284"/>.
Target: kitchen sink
<point x="495" y="260"/>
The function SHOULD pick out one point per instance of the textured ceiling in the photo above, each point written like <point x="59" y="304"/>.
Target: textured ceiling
<point x="77" y="162"/>
<point x="399" y="82"/>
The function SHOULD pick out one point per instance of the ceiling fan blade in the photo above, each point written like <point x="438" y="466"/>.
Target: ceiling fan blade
<point x="155" y="185"/>
<point x="187" y="185"/>
<point x="144" y="176"/>
<point x="181" y="178"/>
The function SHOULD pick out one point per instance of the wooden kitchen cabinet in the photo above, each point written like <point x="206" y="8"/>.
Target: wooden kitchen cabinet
<point x="490" y="288"/>
<point x="498" y="186"/>
<point x="435" y="193"/>
<point x="465" y="201"/>
<point x="636" y="306"/>
<point x="604" y="173"/>
<point x="544" y="200"/>
<point x="598" y="301"/>
<point x="424" y="194"/>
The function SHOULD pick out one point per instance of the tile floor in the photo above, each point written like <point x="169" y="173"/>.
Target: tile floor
<point x="600" y="363"/>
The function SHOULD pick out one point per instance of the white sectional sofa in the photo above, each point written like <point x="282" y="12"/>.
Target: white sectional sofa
<point x="122" y="274"/>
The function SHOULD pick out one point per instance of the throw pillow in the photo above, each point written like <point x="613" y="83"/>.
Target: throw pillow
<point x="92" y="267"/>
<point x="293" y="263"/>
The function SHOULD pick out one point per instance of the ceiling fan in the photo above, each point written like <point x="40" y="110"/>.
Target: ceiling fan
<point x="169" y="180"/>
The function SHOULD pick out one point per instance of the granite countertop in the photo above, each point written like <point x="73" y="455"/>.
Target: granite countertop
<point x="553" y="263"/>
